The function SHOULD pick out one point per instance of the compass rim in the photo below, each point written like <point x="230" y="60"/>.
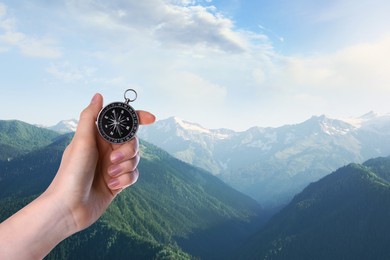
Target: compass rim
<point x="131" y="133"/>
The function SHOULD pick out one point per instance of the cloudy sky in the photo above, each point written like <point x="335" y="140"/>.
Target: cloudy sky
<point x="220" y="63"/>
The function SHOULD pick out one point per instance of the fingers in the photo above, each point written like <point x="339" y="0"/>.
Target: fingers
<point x="124" y="167"/>
<point x="123" y="181"/>
<point x="124" y="151"/>
<point x="123" y="170"/>
<point x="145" y="117"/>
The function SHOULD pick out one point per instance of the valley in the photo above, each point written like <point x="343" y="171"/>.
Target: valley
<point x="179" y="210"/>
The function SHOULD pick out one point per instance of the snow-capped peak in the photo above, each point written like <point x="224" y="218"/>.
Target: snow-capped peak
<point x="328" y="125"/>
<point x="65" y="126"/>
<point x="190" y="126"/>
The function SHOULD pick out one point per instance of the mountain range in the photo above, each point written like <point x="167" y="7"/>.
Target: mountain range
<point x="272" y="164"/>
<point x="174" y="210"/>
<point x="177" y="211"/>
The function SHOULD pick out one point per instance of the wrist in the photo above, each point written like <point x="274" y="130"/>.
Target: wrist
<point x="51" y="225"/>
<point x="35" y="230"/>
<point x="58" y="214"/>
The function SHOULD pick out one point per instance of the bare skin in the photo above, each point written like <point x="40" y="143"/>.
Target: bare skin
<point x="91" y="174"/>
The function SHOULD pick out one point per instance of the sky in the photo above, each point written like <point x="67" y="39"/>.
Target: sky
<point x="220" y="63"/>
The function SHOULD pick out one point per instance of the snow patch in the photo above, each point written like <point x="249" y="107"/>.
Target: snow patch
<point x="198" y="129"/>
<point x="191" y="126"/>
<point x="65" y="126"/>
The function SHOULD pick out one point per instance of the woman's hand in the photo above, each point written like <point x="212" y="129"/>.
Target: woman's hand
<point x="93" y="171"/>
<point x="91" y="174"/>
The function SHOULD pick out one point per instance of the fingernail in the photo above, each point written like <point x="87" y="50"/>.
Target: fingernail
<point x="117" y="157"/>
<point x="94" y="99"/>
<point x="114" y="170"/>
<point x="112" y="184"/>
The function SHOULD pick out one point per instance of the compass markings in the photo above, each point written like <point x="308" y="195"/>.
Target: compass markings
<point x="118" y="122"/>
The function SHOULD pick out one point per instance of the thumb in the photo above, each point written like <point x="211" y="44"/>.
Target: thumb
<point x="86" y="127"/>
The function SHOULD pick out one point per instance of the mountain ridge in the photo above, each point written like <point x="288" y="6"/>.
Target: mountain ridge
<point x="70" y="125"/>
<point x="18" y="138"/>
<point x="251" y="160"/>
<point x="341" y="216"/>
<point x="272" y="164"/>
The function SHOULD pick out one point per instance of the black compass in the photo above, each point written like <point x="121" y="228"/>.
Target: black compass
<point x="118" y="121"/>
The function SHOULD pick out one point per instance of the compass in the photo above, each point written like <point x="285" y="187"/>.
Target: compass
<point x="118" y="121"/>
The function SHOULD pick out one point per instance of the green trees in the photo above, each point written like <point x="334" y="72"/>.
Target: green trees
<point x="174" y="210"/>
<point x="342" y="216"/>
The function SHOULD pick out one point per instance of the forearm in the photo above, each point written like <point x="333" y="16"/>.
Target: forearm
<point x="35" y="230"/>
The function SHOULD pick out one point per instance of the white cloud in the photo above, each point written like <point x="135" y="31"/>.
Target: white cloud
<point x="365" y="65"/>
<point x="42" y="47"/>
<point x="181" y="25"/>
<point x="185" y="53"/>
<point x="3" y="10"/>
<point x="359" y="67"/>
<point x="347" y="82"/>
<point x="68" y="73"/>
<point x="192" y="90"/>
<point x="187" y="59"/>
<point x="199" y="26"/>
<point x="39" y="47"/>
<point x="188" y="95"/>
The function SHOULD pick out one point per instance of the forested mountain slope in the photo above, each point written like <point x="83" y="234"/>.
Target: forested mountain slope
<point x="345" y="215"/>
<point x="174" y="210"/>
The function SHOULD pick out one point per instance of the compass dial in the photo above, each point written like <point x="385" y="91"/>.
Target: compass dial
<point x="117" y="122"/>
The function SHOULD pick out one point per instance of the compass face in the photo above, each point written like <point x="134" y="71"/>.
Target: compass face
<point x="117" y="122"/>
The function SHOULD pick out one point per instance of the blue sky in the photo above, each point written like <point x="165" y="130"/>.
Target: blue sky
<point x="230" y="63"/>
